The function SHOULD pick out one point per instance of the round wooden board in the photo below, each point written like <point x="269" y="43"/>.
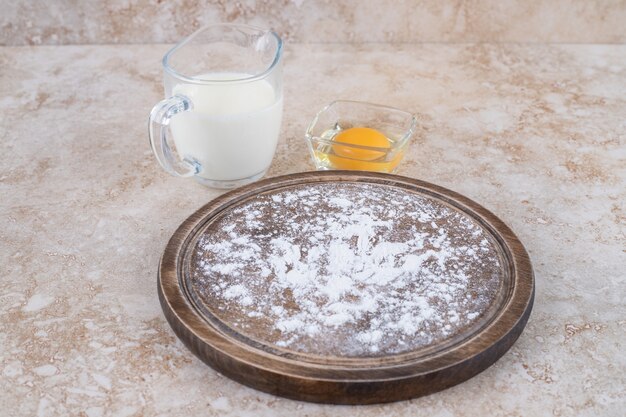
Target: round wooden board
<point x="360" y="380"/>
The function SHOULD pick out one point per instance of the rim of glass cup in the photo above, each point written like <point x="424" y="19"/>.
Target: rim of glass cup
<point x="405" y="137"/>
<point x="194" y="80"/>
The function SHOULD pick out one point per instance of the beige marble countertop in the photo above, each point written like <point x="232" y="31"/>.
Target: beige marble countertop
<point x="148" y="21"/>
<point x="535" y="133"/>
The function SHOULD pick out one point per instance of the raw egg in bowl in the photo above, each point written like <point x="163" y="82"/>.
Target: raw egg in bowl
<point x="359" y="136"/>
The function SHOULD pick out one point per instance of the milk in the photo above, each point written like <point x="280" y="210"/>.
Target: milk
<point x="233" y="128"/>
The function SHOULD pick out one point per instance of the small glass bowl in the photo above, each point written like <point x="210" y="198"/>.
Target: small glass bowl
<point x="396" y="125"/>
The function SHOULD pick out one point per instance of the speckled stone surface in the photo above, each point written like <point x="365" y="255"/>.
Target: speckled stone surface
<point x="59" y="22"/>
<point x="534" y="133"/>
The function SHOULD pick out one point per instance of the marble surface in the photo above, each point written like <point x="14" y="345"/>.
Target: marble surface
<point x="61" y="22"/>
<point x="534" y="133"/>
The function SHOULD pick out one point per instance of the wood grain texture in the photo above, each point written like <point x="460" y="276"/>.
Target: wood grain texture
<point x="337" y="380"/>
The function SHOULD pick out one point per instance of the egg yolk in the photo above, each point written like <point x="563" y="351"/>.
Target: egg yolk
<point x="362" y="136"/>
<point x="346" y="156"/>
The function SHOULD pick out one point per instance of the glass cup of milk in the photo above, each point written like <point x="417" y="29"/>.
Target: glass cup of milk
<point x="221" y="117"/>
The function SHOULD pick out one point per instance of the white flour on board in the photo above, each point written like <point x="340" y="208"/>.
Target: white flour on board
<point x="347" y="270"/>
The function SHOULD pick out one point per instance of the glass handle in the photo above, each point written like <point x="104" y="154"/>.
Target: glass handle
<point x="160" y="136"/>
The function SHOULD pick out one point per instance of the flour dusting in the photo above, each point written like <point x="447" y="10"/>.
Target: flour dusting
<point x="346" y="269"/>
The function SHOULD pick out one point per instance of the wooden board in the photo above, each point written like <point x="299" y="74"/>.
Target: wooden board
<point x="234" y="318"/>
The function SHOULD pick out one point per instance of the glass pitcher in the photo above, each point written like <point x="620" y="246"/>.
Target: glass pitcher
<point x="221" y="117"/>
